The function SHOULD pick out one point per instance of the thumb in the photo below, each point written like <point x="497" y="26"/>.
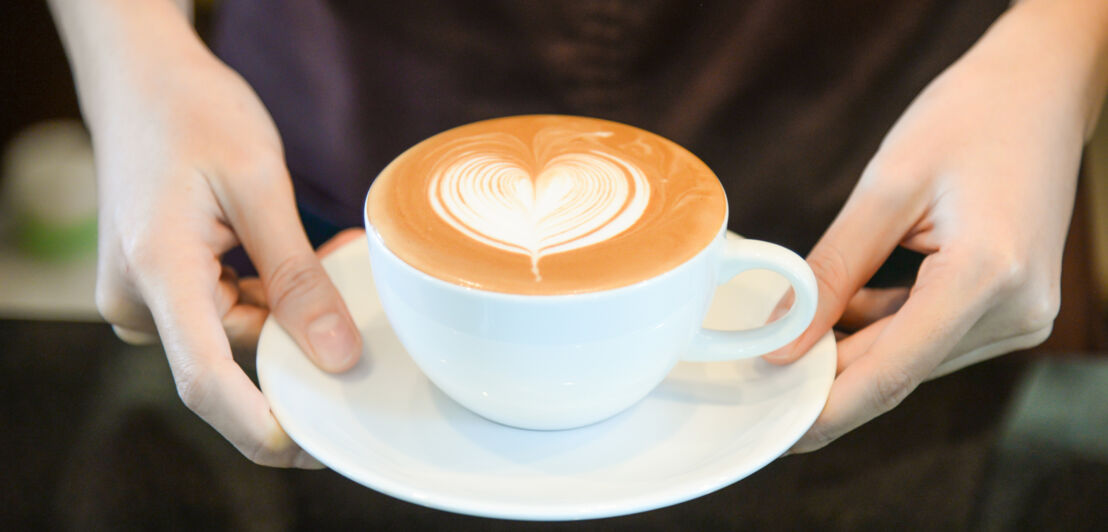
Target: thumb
<point x="861" y="237"/>
<point x="298" y="291"/>
<point x="305" y="302"/>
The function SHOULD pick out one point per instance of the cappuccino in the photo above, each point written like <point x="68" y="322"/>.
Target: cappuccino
<point x="546" y="205"/>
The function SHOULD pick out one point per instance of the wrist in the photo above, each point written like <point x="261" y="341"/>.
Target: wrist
<point x="1056" y="52"/>
<point x="118" y="47"/>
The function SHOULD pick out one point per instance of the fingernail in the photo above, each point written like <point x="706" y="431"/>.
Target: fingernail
<point x="332" y="341"/>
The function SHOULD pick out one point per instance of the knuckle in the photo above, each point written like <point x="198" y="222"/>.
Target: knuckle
<point x="192" y="388"/>
<point x="1010" y="275"/>
<point x="1039" y="313"/>
<point x="895" y="172"/>
<point x="293" y="278"/>
<point x="114" y="306"/>
<point x="1004" y="271"/>
<point x="139" y="254"/>
<point x="1028" y="301"/>
<point x="891" y="386"/>
<point x="255" y="165"/>
<point x="832" y="274"/>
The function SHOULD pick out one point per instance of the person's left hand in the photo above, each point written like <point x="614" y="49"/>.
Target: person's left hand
<point x="979" y="174"/>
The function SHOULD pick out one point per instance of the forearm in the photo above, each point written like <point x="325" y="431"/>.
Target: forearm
<point x="1056" y="49"/>
<point x="122" y="41"/>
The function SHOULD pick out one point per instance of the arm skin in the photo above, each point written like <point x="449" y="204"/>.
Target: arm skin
<point x="979" y="174"/>
<point x="189" y="165"/>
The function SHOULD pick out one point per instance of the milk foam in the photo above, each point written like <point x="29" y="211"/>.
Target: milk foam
<point x="563" y="193"/>
<point x="546" y="205"/>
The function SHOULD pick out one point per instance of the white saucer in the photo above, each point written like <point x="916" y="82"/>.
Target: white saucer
<point x="384" y="425"/>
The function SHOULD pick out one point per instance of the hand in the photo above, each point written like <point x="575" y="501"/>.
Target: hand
<point x="190" y="165"/>
<point x="979" y="174"/>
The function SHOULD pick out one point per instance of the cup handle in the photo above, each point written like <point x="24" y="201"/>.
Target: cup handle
<point x="742" y="255"/>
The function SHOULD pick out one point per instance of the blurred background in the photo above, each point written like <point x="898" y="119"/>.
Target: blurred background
<point x="94" y="436"/>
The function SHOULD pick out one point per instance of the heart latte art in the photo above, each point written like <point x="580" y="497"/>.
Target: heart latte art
<point x="546" y="205"/>
<point x="488" y="189"/>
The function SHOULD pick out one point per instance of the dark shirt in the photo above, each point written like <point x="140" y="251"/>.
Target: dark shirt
<point x="785" y="99"/>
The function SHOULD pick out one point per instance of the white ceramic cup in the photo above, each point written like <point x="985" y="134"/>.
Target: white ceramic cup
<point x="565" y="361"/>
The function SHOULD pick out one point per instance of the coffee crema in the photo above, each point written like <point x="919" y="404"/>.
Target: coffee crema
<point x="545" y="205"/>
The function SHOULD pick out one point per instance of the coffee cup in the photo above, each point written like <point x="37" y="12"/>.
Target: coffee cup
<point x="547" y="272"/>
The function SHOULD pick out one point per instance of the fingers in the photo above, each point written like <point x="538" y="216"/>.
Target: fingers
<point x="244" y="318"/>
<point x="340" y="239"/>
<point x="851" y="348"/>
<point x="870" y="305"/>
<point x="904" y="349"/>
<point x="243" y="322"/>
<point x="178" y="287"/>
<point x="119" y="303"/>
<point x="867" y="230"/>
<point x="304" y="301"/>
<point x="866" y="307"/>
<point x="243" y="325"/>
<point x="251" y="292"/>
<point x="242" y="312"/>
<point x="227" y="290"/>
<point x="300" y="295"/>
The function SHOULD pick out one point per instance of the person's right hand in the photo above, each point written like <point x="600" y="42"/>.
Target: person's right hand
<point x="190" y="165"/>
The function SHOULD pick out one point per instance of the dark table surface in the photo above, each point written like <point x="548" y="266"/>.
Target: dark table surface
<point x="95" y="438"/>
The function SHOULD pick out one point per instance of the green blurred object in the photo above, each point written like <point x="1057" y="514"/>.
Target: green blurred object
<point x="49" y="192"/>
<point x="54" y="242"/>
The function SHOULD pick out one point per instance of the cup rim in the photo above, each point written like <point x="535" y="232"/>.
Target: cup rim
<point x="371" y="232"/>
